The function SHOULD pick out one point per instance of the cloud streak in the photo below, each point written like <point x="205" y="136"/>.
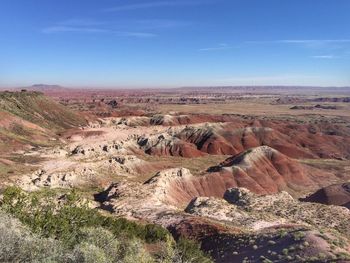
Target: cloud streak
<point x="331" y="44"/>
<point x="222" y="46"/>
<point x="154" y="4"/>
<point x="131" y="28"/>
<point x="70" y="29"/>
<point x="302" y="41"/>
<point x="63" y="29"/>
<point x="82" y="22"/>
<point x="307" y="43"/>
<point x="325" y="57"/>
<point x="156" y="23"/>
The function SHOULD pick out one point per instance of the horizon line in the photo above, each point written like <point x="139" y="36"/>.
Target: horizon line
<point x="84" y="87"/>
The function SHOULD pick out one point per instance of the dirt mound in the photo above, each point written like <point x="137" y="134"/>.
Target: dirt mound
<point x="145" y="201"/>
<point x="262" y="170"/>
<point x="167" y="189"/>
<point x="265" y="170"/>
<point x="167" y="145"/>
<point x="295" y="140"/>
<point x="178" y="186"/>
<point x="337" y="194"/>
<point x="253" y="226"/>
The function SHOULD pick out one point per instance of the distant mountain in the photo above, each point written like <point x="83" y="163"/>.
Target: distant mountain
<point x="44" y="87"/>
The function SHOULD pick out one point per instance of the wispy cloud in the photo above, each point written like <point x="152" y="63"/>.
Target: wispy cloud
<point x="134" y="34"/>
<point x="302" y="41"/>
<point x="329" y="44"/>
<point x="132" y="28"/>
<point x="155" y="23"/>
<point x="82" y="22"/>
<point x="308" y="43"/>
<point x="222" y="46"/>
<point x="325" y="57"/>
<point x="155" y="4"/>
<point x="129" y="23"/>
<point x="58" y="29"/>
<point x="95" y="26"/>
<point x="67" y="29"/>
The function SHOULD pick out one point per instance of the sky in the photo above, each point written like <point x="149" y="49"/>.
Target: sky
<point x="163" y="43"/>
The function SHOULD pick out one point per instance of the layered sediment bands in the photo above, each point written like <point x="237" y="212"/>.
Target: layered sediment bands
<point x="262" y="170"/>
<point x="230" y="138"/>
<point x="265" y="170"/>
<point x="178" y="186"/>
<point x="168" y="145"/>
<point x="297" y="141"/>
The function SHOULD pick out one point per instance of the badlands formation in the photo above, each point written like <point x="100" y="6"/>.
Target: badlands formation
<point x="248" y="188"/>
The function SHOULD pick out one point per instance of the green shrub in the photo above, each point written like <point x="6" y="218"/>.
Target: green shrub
<point x="69" y="231"/>
<point x="190" y="252"/>
<point x="18" y="244"/>
<point x="66" y="221"/>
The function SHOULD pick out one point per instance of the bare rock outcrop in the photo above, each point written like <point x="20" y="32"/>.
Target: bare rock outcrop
<point x="283" y="205"/>
<point x="42" y="178"/>
<point x="167" y="145"/>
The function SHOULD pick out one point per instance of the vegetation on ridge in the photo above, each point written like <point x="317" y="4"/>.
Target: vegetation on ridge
<point x="36" y="108"/>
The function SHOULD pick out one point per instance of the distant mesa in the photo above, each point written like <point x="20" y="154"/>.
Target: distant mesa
<point x="44" y="87"/>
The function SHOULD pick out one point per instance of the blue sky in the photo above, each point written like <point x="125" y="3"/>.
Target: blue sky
<point x="163" y="43"/>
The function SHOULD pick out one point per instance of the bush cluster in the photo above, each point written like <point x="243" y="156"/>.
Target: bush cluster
<point x="67" y="230"/>
<point x="66" y="220"/>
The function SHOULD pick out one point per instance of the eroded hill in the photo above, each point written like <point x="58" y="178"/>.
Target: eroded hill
<point x="228" y="181"/>
<point x="30" y="119"/>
